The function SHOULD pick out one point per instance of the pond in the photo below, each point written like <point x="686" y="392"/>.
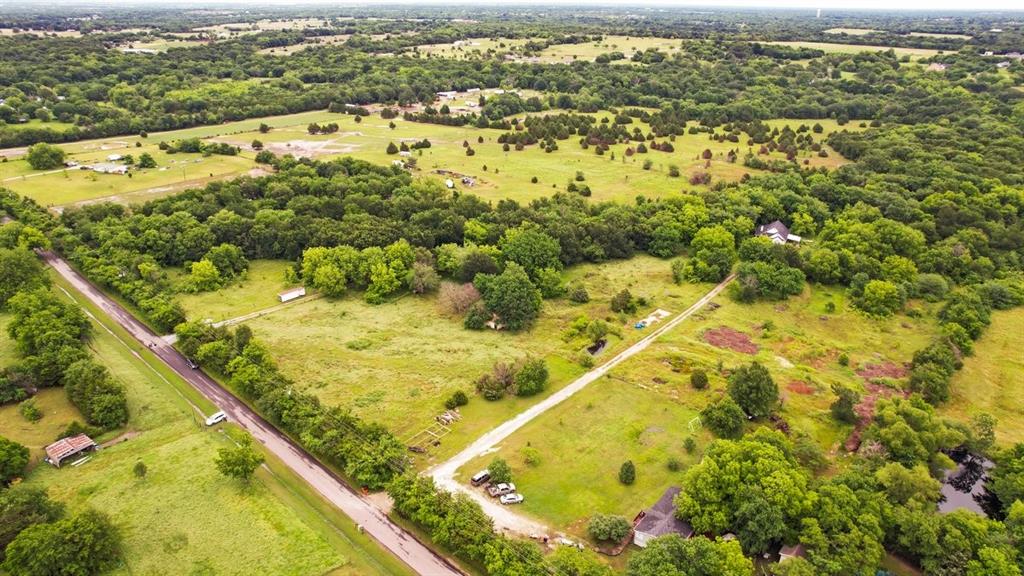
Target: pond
<point x="964" y="486"/>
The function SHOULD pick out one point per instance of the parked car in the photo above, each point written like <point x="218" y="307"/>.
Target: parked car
<point x="192" y="363"/>
<point x="480" y="477"/>
<point x="216" y="418"/>
<point x="501" y="489"/>
<point x="512" y="499"/>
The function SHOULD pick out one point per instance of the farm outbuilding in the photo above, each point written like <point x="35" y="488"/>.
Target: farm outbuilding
<point x="294" y="293"/>
<point x="777" y="232"/>
<point x="659" y="520"/>
<point x="70" y="447"/>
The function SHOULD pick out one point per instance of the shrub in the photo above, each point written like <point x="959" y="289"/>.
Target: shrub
<point x="29" y="411"/>
<point x="623" y="302"/>
<point x="608" y="528"/>
<point x="673" y="464"/>
<point x="531" y="456"/>
<point x="531" y="378"/>
<point x="459" y="398"/>
<point x="578" y="293"/>
<point x="627" y="473"/>
<point x="690" y="445"/>
<point x="699" y="379"/>
<point x="139" y="469"/>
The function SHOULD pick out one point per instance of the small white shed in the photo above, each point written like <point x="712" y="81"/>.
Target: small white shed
<point x="289" y="295"/>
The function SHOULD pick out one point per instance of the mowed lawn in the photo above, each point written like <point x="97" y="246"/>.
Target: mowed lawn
<point x="991" y="381"/>
<point x="184" y="516"/>
<point x="642" y="411"/>
<point x="398" y="362"/>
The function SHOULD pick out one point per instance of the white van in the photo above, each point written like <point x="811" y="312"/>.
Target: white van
<point x="216" y="418"/>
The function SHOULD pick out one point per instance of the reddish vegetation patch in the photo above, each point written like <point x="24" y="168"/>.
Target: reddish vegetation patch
<point x="723" y="337"/>
<point x="883" y="370"/>
<point x="866" y="411"/>
<point x="821" y="361"/>
<point x="800" y="387"/>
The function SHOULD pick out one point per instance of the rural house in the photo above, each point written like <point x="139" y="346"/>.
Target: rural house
<point x="777" y="232"/>
<point x="659" y="520"/>
<point x="790" y="552"/>
<point x="65" y="448"/>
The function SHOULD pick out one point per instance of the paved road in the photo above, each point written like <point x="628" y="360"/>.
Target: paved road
<point x="504" y="518"/>
<point x="362" y="511"/>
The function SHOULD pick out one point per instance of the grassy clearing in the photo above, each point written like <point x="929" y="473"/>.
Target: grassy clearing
<point x="627" y="45"/>
<point x="851" y="31"/>
<point x="612" y="176"/>
<point x="914" y="53"/>
<point x="184" y="516"/>
<point x="57" y="411"/>
<point x="35" y="123"/>
<point x="396" y="363"/>
<point x="941" y="35"/>
<point x="990" y="380"/>
<point x="256" y="291"/>
<point x="474" y="47"/>
<point x="642" y="409"/>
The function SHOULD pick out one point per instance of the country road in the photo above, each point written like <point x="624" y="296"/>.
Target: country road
<point x="361" y="510"/>
<point x="504" y="518"/>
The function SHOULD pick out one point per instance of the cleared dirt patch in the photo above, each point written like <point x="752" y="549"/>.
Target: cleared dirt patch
<point x="725" y="337"/>
<point x="883" y="370"/>
<point x="800" y="387"/>
<point x="866" y="411"/>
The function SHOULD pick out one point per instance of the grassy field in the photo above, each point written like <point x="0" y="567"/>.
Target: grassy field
<point x="36" y="123"/>
<point x="851" y="31"/>
<point x="397" y="362"/>
<point x="57" y="411"/>
<point x="612" y="176"/>
<point x="990" y="380"/>
<point x="642" y="409"/>
<point x="257" y="290"/>
<point x="473" y="47"/>
<point x="184" y="517"/>
<point x="625" y="44"/>
<point x="914" y="53"/>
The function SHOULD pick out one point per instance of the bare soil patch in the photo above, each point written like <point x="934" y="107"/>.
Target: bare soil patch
<point x="866" y="411"/>
<point x="883" y="370"/>
<point x="725" y="337"/>
<point x="800" y="387"/>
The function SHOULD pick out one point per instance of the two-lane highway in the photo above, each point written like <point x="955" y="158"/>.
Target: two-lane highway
<point x="362" y="511"/>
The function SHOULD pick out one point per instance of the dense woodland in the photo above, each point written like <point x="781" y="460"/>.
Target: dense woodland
<point x="929" y="209"/>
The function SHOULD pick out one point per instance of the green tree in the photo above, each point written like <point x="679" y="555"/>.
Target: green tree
<point x="20" y="270"/>
<point x="22" y="506"/>
<point x="724" y="418"/>
<point x="881" y="298"/>
<point x="203" y="277"/>
<point x="146" y="160"/>
<point x="672" y="555"/>
<point x="608" y="527"/>
<point x="623" y="302"/>
<point x="511" y="295"/>
<point x="240" y="461"/>
<point x="532" y="249"/>
<point x="713" y="253"/>
<point x="140" y="469"/>
<point x="531" y="378"/>
<point x="500" y="471"/>
<point x="843" y="406"/>
<point x="627" y="473"/>
<point x="43" y="156"/>
<point x="13" y="460"/>
<point x="699" y="379"/>
<point x="86" y="544"/>
<point x="753" y="388"/>
<point x="903" y="485"/>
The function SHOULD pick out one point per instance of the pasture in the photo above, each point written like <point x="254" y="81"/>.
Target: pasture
<point x="829" y="47"/>
<point x="990" y="379"/>
<point x="184" y="517"/>
<point x="566" y="53"/>
<point x="499" y="174"/>
<point x="398" y="362"/>
<point x="642" y="409"/>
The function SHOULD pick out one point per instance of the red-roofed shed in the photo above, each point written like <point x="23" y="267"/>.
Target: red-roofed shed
<point x="65" y="448"/>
